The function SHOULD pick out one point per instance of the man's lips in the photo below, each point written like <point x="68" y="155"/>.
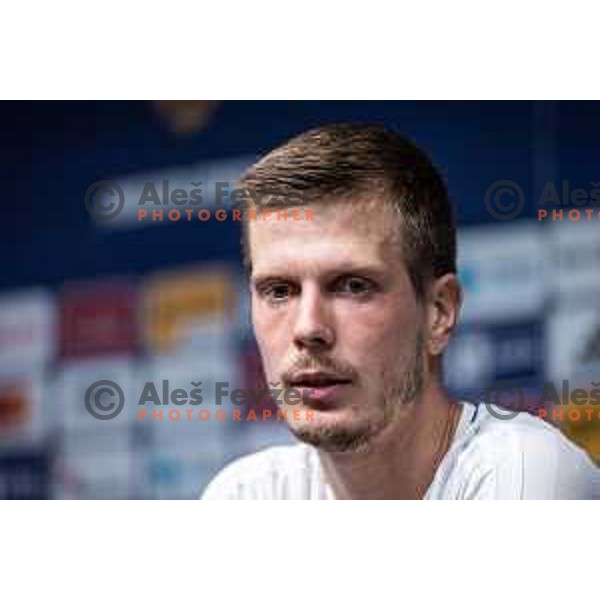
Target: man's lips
<point x="317" y="379"/>
<point x="318" y="386"/>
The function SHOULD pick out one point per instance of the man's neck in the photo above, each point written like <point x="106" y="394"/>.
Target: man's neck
<point x="401" y="462"/>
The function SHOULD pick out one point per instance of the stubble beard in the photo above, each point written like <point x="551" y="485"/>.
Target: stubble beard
<point x="356" y="433"/>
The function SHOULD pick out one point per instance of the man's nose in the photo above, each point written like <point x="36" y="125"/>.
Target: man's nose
<point x="313" y="328"/>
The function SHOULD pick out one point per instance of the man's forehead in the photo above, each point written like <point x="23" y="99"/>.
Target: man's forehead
<point x="363" y="217"/>
<point x="341" y="236"/>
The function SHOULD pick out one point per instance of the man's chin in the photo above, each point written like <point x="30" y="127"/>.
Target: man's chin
<point x="332" y="437"/>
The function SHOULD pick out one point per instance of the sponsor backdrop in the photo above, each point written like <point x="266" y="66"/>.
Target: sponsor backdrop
<point x="135" y="286"/>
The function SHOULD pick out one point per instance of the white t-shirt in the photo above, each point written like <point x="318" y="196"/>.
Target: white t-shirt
<point x="517" y="459"/>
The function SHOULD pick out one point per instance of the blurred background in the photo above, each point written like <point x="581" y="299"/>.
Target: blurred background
<point x="85" y="299"/>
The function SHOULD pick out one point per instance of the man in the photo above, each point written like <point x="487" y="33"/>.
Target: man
<point x="354" y="306"/>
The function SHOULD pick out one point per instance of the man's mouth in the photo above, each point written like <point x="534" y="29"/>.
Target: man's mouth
<point x="318" y="386"/>
<point x="317" y="379"/>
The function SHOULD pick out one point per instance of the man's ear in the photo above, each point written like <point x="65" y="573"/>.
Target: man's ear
<point x="444" y="301"/>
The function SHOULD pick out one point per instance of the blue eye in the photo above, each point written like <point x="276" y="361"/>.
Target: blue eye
<point x="279" y="291"/>
<point x="275" y="292"/>
<point x="355" y="285"/>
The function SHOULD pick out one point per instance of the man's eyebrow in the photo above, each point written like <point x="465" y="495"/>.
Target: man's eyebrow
<point x="364" y="270"/>
<point x="256" y="280"/>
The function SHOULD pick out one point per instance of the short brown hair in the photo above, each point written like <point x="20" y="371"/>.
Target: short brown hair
<point x="346" y="161"/>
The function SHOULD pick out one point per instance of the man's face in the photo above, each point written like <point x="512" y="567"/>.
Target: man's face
<point x="335" y="316"/>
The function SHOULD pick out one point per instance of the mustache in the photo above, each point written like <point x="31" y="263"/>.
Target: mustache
<point x="321" y="363"/>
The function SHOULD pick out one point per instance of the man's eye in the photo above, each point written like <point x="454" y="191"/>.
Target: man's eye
<point x="355" y="285"/>
<point x="276" y="291"/>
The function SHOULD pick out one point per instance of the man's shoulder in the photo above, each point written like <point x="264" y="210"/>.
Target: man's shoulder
<point x="275" y="472"/>
<point x="529" y="456"/>
<point x="523" y="432"/>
